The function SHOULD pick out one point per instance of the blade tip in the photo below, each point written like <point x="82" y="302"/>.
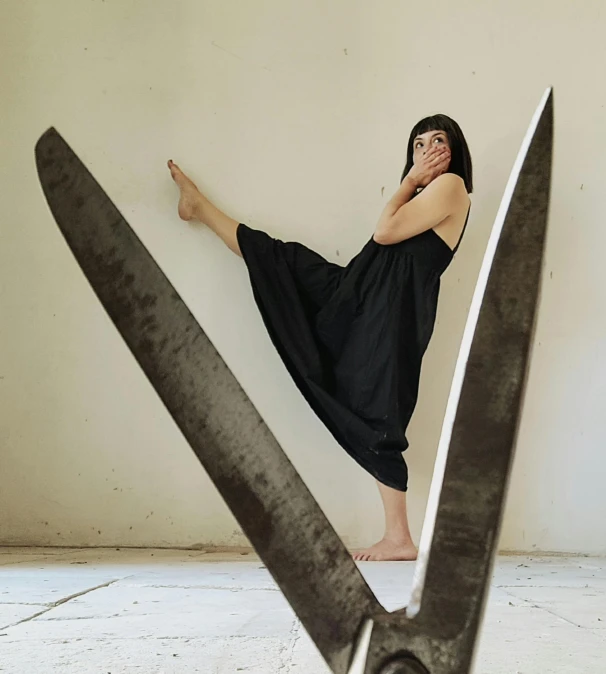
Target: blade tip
<point x="49" y="135"/>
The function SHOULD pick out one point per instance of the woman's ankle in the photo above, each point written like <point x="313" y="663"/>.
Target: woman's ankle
<point x="402" y="538"/>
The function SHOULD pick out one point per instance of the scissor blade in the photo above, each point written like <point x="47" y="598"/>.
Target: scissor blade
<point x="477" y="445"/>
<point x="259" y="484"/>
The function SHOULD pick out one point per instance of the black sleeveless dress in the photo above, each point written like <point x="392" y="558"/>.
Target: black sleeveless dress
<point x="353" y="337"/>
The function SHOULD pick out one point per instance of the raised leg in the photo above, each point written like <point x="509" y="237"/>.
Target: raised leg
<point x="397" y="543"/>
<point x="193" y="205"/>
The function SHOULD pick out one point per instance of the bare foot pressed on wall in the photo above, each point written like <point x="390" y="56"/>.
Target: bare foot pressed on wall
<point x="190" y="194"/>
<point x="193" y="205"/>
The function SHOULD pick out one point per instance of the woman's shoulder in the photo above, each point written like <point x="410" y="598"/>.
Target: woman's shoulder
<point x="450" y="189"/>
<point x="449" y="184"/>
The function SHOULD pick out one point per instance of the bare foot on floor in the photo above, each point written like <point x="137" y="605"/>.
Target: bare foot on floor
<point x="190" y="194"/>
<point x="387" y="551"/>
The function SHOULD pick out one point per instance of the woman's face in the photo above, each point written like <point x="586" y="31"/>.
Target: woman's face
<point x="423" y="143"/>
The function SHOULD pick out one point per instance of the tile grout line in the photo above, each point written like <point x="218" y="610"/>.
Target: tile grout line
<point x="296" y="636"/>
<point x="50" y="607"/>
<point x="286" y="650"/>
<point x="23" y="603"/>
<point x="543" y="608"/>
<point x="223" y="588"/>
<point x="552" y="587"/>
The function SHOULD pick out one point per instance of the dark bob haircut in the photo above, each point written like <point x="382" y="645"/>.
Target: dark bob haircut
<point x="460" y="162"/>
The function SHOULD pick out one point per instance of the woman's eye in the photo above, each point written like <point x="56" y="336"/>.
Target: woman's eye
<point x="418" y="145"/>
<point x="438" y="139"/>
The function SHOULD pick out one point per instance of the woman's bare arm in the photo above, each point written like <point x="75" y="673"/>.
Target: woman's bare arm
<point x="443" y="197"/>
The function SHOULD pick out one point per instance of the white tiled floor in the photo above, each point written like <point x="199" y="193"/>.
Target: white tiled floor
<point x="169" y="612"/>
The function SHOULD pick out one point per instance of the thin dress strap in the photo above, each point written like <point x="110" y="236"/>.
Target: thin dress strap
<point x="463" y="232"/>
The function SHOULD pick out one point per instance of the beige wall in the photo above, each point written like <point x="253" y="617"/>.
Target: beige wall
<point x="293" y="117"/>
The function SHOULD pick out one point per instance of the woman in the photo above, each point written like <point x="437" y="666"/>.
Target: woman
<point x="353" y="337"/>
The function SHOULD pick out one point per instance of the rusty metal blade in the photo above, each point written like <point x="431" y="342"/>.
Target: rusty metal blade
<point x="259" y="484"/>
<point x="479" y="434"/>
